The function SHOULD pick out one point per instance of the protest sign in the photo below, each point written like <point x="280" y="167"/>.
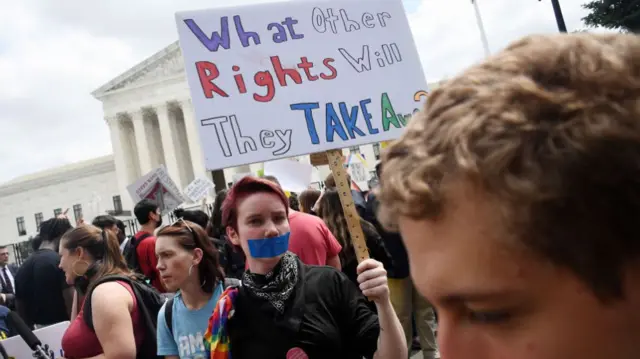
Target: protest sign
<point x="293" y="176"/>
<point x="356" y="167"/>
<point x="278" y="80"/>
<point x="50" y="336"/>
<point x="158" y="187"/>
<point x="198" y="189"/>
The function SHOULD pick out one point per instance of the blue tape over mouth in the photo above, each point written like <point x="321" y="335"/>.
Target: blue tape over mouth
<point x="269" y="247"/>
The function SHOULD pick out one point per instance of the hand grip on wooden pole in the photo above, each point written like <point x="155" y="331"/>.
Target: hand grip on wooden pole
<point x="348" y="207"/>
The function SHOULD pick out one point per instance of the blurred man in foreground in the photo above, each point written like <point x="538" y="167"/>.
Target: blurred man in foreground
<point x="517" y="192"/>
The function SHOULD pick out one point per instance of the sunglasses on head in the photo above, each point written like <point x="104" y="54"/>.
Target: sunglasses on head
<point x="181" y="220"/>
<point x="187" y="226"/>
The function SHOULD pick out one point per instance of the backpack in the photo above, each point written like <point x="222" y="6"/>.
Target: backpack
<point x="149" y="302"/>
<point x="130" y="252"/>
<point x="168" y="309"/>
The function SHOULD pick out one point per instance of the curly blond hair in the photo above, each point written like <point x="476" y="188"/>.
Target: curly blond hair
<point x="549" y="127"/>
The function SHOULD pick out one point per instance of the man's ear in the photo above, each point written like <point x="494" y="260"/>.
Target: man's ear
<point x="233" y="236"/>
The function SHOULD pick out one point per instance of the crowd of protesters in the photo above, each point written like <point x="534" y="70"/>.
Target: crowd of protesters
<point x="508" y="205"/>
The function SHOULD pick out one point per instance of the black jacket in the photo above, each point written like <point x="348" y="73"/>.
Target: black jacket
<point x="392" y="241"/>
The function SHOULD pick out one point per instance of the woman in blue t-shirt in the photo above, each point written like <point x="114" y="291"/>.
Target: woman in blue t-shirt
<point x="188" y="264"/>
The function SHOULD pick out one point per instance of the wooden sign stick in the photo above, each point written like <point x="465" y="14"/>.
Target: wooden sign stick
<point x="203" y="205"/>
<point x="348" y="207"/>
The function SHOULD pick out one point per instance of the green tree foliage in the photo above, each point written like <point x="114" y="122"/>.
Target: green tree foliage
<point x="621" y="15"/>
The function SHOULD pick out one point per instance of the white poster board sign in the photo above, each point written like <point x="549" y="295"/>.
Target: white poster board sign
<point x="358" y="173"/>
<point x="51" y="338"/>
<point x="158" y="187"/>
<point x="293" y="176"/>
<point x="278" y="80"/>
<point x="198" y="189"/>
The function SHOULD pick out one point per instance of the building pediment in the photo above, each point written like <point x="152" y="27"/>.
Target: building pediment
<point x="167" y="63"/>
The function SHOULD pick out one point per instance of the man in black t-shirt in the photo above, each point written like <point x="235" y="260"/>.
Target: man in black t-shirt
<point x="42" y="295"/>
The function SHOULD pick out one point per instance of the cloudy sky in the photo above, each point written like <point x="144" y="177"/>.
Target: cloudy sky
<point x="54" y="53"/>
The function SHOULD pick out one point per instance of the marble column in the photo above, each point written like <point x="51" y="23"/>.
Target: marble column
<point x="195" y="148"/>
<point x="123" y="160"/>
<point x="142" y="142"/>
<point x="167" y="134"/>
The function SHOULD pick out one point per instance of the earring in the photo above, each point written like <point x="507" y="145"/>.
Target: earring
<point x="73" y="267"/>
<point x="190" y="269"/>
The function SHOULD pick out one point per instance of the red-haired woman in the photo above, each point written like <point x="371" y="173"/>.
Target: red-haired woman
<point x="285" y="309"/>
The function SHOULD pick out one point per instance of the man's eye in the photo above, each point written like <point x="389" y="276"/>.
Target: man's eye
<point x="489" y="317"/>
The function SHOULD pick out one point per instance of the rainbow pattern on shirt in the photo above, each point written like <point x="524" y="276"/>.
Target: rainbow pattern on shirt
<point x="216" y="338"/>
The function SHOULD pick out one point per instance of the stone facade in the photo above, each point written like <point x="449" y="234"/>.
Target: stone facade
<point x="86" y="188"/>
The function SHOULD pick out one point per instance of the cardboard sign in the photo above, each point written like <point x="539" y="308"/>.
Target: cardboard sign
<point x="318" y="159"/>
<point x="158" y="187"/>
<point x="278" y="80"/>
<point x="198" y="189"/>
<point x="51" y="338"/>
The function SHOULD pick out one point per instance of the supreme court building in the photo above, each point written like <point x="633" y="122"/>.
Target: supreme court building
<point x="150" y="117"/>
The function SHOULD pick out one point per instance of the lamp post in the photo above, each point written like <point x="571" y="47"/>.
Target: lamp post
<point x="483" y="34"/>
<point x="558" y="13"/>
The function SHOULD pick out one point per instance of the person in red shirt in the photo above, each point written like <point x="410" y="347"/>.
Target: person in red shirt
<point x="116" y="328"/>
<point x="310" y="238"/>
<point x="149" y="216"/>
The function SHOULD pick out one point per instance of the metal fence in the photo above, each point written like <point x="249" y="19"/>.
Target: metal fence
<point x="22" y="250"/>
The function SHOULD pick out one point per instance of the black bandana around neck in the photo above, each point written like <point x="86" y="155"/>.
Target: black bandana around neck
<point x="277" y="285"/>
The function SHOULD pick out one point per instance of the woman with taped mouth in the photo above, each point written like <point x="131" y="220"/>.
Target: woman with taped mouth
<point x="286" y="309"/>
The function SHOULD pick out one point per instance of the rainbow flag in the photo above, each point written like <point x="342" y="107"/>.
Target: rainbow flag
<point x="216" y="338"/>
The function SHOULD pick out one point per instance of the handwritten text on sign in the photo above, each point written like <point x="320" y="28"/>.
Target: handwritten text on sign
<point x="286" y="79"/>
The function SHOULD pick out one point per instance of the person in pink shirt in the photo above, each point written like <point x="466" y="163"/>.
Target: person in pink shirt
<point x="310" y="238"/>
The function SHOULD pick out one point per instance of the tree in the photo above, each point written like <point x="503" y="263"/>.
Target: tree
<point x="621" y="15"/>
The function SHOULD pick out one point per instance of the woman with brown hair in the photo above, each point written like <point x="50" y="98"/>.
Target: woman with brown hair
<point x="308" y="199"/>
<point x="232" y="260"/>
<point x="89" y="254"/>
<point x="330" y="210"/>
<point x="188" y="264"/>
